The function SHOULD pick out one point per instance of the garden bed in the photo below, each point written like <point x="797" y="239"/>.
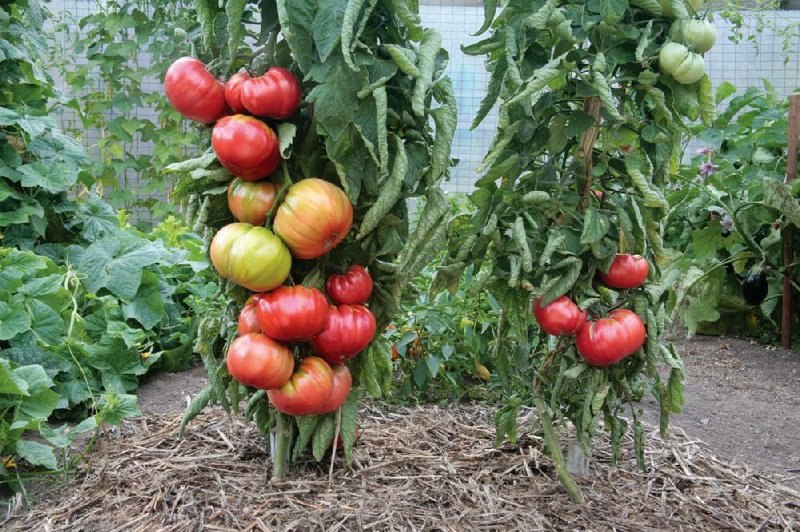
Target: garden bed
<point x="424" y="467"/>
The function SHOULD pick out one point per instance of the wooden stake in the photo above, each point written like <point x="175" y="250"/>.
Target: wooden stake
<point x="788" y="255"/>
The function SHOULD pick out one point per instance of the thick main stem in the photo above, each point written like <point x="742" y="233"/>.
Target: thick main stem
<point x="279" y="459"/>
<point x="788" y="255"/>
<point x="591" y="107"/>
<point x="553" y="445"/>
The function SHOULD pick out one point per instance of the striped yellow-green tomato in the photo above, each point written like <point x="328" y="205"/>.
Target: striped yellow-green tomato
<point x="250" y="201"/>
<point x="250" y="256"/>
<point x="690" y="70"/>
<point x="671" y="55"/>
<point x="315" y="216"/>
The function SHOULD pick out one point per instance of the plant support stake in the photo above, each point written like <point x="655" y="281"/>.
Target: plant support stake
<point x="788" y="255"/>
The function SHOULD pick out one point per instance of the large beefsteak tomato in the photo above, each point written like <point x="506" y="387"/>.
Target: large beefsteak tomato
<point x="562" y="317"/>
<point x="248" y="320"/>
<point x="233" y="91"/>
<point x="348" y="331"/>
<point x="250" y="256"/>
<point x="276" y="94"/>
<point x="259" y="361"/>
<point x="342" y="382"/>
<point x="307" y="391"/>
<point x="608" y="340"/>
<point x="352" y="288"/>
<point x="194" y="92"/>
<point x="292" y="313"/>
<point x="249" y="201"/>
<point x="246" y="146"/>
<point x="314" y="217"/>
<point x="627" y="271"/>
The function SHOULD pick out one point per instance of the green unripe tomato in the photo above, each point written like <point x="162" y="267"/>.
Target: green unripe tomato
<point x="250" y="256"/>
<point x="699" y="35"/>
<point x="671" y="56"/>
<point x="690" y="70"/>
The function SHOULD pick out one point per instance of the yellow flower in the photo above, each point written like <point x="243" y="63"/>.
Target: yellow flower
<point x="9" y="462"/>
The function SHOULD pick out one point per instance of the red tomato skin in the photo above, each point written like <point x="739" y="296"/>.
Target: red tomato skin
<point x="248" y="321"/>
<point x="292" y="313"/>
<point x="246" y="146"/>
<point x="352" y="288"/>
<point x="348" y="331"/>
<point x="307" y="390"/>
<point x="342" y="382"/>
<point x="627" y="271"/>
<point x="258" y="361"/>
<point x="314" y="217"/>
<point x="233" y="91"/>
<point x="194" y="92"/>
<point x="276" y="94"/>
<point x="250" y="201"/>
<point x="562" y="317"/>
<point x="608" y="340"/>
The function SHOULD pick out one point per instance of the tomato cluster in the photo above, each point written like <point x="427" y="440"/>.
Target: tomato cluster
<point x="607" y="340"/>
<point x="321" y="382"/>
<point x="312" y="218"/>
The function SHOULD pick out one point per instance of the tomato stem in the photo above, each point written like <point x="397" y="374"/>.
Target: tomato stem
<point x="553" y="445"/>
<point x="279" y="458"/>
<point x="335" y="442"/>
<point x="287" y="182"/>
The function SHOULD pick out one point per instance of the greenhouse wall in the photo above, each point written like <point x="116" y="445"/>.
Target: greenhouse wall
<point x="764" y="55"/>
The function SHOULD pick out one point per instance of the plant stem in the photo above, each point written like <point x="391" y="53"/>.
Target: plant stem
<point x="335" y="442"/>
<point x="553" y="445"/>
<point x="287" y="182"/>
<point x="279" y="458"/>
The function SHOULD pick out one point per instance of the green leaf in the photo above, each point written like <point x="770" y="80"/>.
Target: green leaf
<point x="46" y="323"/>
<point x="206" y="12"/>
<point x="234" y="9"/>
<point x="306" y="426"/>
<point x="390" y="193"/>
<point x="349" y="21"/>
<point x="114" y="408"/>
<point x="708" y="108"/>
<point x="14" y="320"/>
<point x="408" y="16"/>
<point x="779" y="197"/>
<point x="286" y="133"/>
<point x="11" y="384"/>
<point x="540" y="78"/>
<point x="612" y="11"/>
<point x="638" y="165"/>
<point x="37" y="454"/>
<point x="148" y="306"/>
<point x="644" y="41"/>
<point x="297" y="21"/>
<point x="327" y="26"/>
<point x="404" y="58"/>
<point x="489" y="9"/>
<point x="595" y="226"/>
<point x="446" y="120"/>
<point x="323" y="436"/>
<point x="426" y="63"/>
<point x="725" y="90"/>
<point x="349" y="423"/>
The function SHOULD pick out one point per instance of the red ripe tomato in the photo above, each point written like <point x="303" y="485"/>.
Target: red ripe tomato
<point x="292" y="313"/>
<point x="246" y="146"/>
<point x="307" y="390"/>
<point x="313" y="218"/>
<point x="342" y="382"/>
<point x="627" y="271"/>
<point x="250" y="201"/>
<point x="276" y="94"/>
<point x="194" y="92"/>
<point x="562" y="317"/>
<point x="259" y="361"/>
<point x="348" y="331"/>
<point x="250" y="256"/>
<point x="352" y="288"/>
<point x="608" y="340"/>
<point x="248" y="321"/>
<point x="233" y="91"/>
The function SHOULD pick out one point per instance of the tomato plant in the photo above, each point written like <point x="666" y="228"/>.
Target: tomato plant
<point x="351" y="288"/>
<point x="373" y="129"/>
<point x="582" y="107"/>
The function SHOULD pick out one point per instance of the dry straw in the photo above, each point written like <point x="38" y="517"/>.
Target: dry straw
<point x="416" y="468"/>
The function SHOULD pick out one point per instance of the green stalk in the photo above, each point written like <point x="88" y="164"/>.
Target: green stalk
<point x="281" y="449"/>
<point x="553" y="445"/>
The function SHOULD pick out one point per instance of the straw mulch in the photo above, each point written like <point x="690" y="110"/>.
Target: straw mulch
<point x="415" y="468"/>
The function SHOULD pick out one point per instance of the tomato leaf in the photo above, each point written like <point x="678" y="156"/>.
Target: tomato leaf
<point x="323" y="436"/>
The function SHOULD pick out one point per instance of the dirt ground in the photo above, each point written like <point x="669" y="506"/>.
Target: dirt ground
<point x="436" y="468"/>
<point x="742" y="399"/>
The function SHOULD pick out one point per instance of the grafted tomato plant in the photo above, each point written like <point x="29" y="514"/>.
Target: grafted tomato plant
<point x="362" y="119"/>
